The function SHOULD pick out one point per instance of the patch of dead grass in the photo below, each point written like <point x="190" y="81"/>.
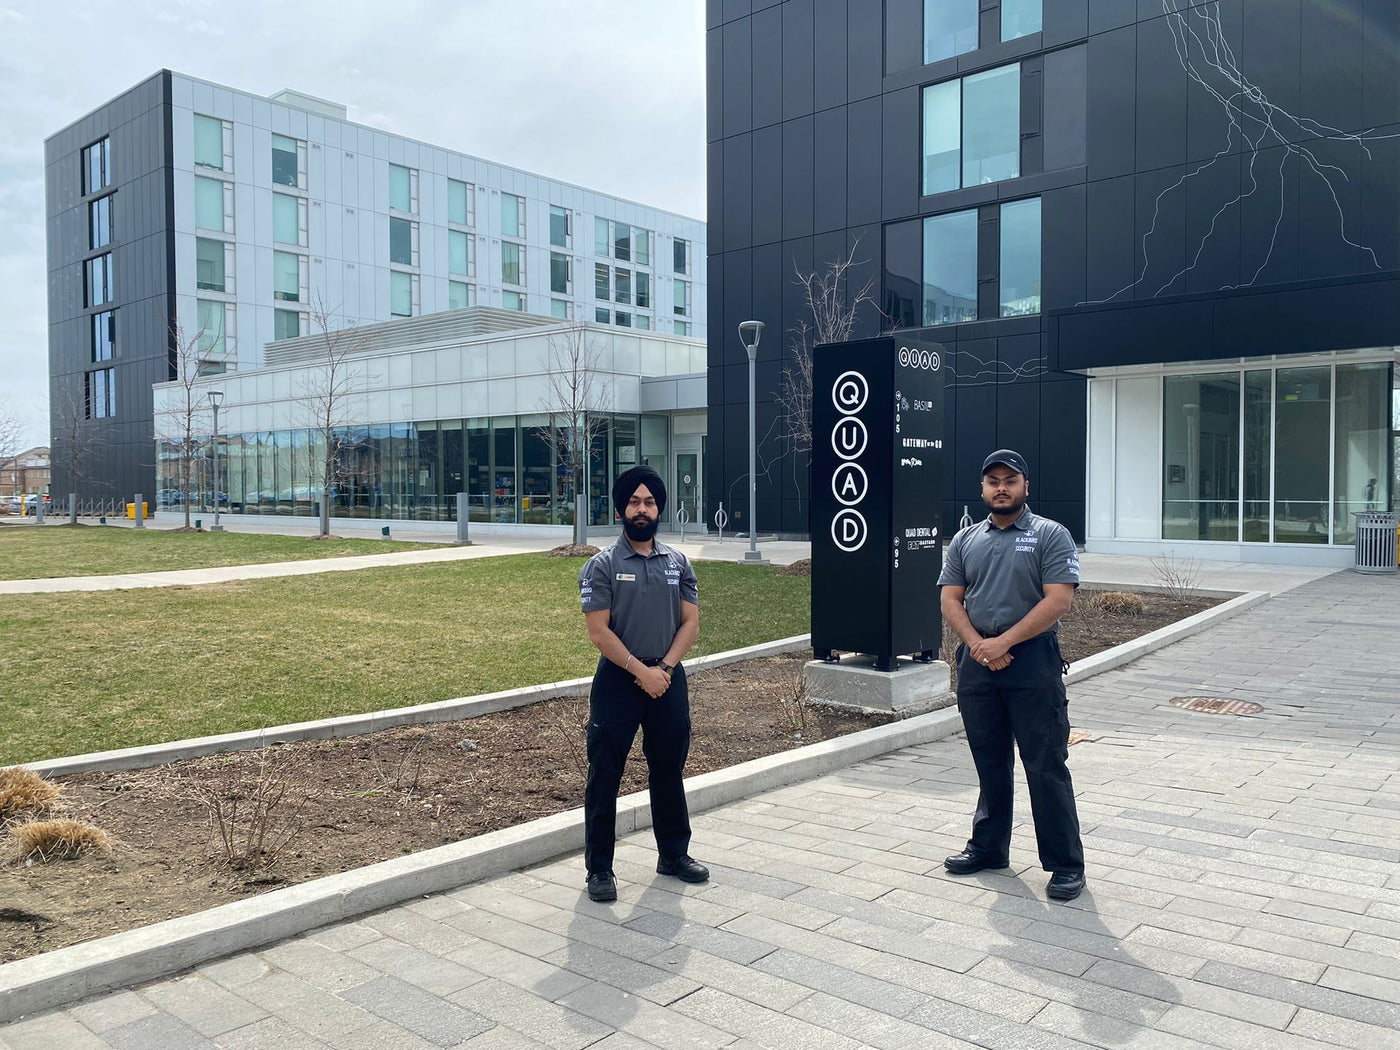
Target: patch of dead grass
<point x="60" y="839"/>
<point x="24" y="794"/>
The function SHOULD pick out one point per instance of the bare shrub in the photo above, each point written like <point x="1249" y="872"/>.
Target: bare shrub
<point x="24" y="794"/>
<point x="1179" y="578"/>
<point x="254" y="801"/>
<point x="566" y="719"/>
<point x="794" y="701"/>
<point x="60" y="839"/>
<point x="401" y="768"/>
<point x="1122" y="603"/>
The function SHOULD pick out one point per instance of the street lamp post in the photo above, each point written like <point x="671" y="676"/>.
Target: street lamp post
<point x="750" y="332"/>
<point x="216" y="398"/>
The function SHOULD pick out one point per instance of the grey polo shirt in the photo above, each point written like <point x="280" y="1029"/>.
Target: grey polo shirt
<point x="1005" y="570"/>
<point x="644" y="594"/>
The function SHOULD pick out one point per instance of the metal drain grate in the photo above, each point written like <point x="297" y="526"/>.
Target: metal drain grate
<point x="1217" y="705"/>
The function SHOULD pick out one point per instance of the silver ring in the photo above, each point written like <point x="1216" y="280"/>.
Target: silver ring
<point x="985" y="660"/>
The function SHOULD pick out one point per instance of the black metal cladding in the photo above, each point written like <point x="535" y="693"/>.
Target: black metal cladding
<point x="1175" y="225"/>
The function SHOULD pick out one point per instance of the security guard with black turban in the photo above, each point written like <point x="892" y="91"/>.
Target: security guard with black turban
<point x="642" y="608"/>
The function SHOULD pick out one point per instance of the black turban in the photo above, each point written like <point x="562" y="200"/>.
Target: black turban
<point x="628" y="482"/>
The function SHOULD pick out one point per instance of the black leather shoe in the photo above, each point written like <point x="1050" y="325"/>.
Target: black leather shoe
<point x="966" y="862"/>
<point x="1065" y="885"/>
<point x="602" y="886"/>
<point x="684" y="868"/>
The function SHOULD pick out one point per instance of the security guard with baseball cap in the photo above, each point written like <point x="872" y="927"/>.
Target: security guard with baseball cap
<point x="642" y="608"/>
<point x="1006" y="582"/>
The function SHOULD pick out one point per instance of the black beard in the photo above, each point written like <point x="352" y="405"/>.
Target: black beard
<point x="1016" y="504"/>
<point x="641" y="528"/>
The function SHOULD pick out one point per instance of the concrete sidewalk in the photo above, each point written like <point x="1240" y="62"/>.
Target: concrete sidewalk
<point x="1243" y="892"/>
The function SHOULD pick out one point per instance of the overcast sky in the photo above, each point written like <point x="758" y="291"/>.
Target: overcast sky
<point x="607" y="94"/>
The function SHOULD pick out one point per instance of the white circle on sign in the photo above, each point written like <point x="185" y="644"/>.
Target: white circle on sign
<point x="848" y="437"/>
<point x="686" y="480"/>
<point x="904" y="356"/>
<point x="848" y="530"/>
<point x="933" y="361"/>
<point x="849" y="483"/>
<point x="923" y="358"/>
<point x="849" y="392"/>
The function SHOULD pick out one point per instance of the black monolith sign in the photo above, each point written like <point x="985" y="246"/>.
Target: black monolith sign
<point x="877" y="492"/>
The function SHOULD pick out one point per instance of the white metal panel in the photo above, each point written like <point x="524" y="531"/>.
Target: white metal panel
<point x="475" y="399"/>
<point x="500" y="357"/>
<point x="1137" y="493"/>
<point x="1101" y="442"/>
<point x="500" y="395"/>
<point x="449" y="401"/>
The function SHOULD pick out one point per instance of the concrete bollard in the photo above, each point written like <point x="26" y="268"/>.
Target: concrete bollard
<point x="463" y="513"/>
<point x="140" y="512"/>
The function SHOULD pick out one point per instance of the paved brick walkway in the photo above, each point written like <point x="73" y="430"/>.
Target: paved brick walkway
<point x="1244" y="892"/>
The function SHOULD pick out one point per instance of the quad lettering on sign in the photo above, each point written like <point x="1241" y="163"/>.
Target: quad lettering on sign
<point x="877" y="490"/>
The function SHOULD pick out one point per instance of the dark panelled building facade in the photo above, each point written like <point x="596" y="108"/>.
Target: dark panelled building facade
<point x="111" y="280"/>
<point x="1059" y="193"/>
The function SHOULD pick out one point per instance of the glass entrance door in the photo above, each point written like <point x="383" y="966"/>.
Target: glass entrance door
<point x="688" y="487"/>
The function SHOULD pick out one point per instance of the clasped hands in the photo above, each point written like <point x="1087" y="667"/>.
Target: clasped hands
<point x="992" y="653"/>
<point x="652" y="680"/>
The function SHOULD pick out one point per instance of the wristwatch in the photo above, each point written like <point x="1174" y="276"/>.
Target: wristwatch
<point x="668" y="668"/>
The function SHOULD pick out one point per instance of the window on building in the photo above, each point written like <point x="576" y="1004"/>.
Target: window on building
<point x="459" y="295"/>
<point x="99" y="393"/>
<point x="561" y="276"/>
<point x="1302" y="421"/>
<point x="950" y="28"/>
<point x="972" y="130"/>
<point x="512" y="301"/>
<point x="682" y="298"/>
<point x="210" y="148"/>
<point x="104" y="335"/>
<point x="1020" y="258"/>
<point x="561" y="227"/>
<point x="602" y="237"/>
<point x="682" y="328"/>
<point x="602" y="315"/>
<point x="400" y="188"/>
<point x="98" y="274"/>
<point x="1019" y="18"/>
<point x="642" y="321"/>
<point x="286" y="324"/>
<point x="100" y="222"/>
<point x="461" y="253"/>
<point x="286" y="277"/>
<point x="680" y="255"/>
<point x="212" y="206"/>
<point x="623" y="320"/>
<point x="560" y="308"/>
<point x="622" y="241"/>
<point x="288" y="219"/>
<point x="401" y="294"/>
<point x="1200" y="456"/>
<point x="602" y="282"/>
<point x="211" y="337"/>
<point x="512" y="263"/>
<point x="209" y="265"/>
<point x="950" y="268"/>
<point x="643" y="290"/>
<point x="403" y="241"/>
<point x="286" y="161"/>
<point x="97" y="166"/>
<point x="461" y="203"/>
<point x="641" y="247"/>
<point x="622" y="286"/>
<point x="512" y="215"/>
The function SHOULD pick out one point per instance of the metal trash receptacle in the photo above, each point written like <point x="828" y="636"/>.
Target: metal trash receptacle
<point x="1375" y="540"/>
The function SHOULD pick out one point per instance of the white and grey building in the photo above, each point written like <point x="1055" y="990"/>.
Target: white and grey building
<point x="188" y="206"/>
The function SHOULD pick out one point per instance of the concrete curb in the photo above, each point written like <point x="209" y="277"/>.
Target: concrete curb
<point x="1173" y="632"/>
<point x="372" y="722"/>
<point x="124" y="959"/>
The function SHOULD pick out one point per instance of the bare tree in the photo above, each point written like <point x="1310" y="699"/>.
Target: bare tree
<point x="580" y="397"/>
<point x="10" y="432"/>
<point x="325" y="393"/>
<point x="74" y="444"/>
<point x="833" y="320"/>
<point x="182" y="428"/>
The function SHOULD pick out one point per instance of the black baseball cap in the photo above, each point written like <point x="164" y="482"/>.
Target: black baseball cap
<point x="1007" y="458"/>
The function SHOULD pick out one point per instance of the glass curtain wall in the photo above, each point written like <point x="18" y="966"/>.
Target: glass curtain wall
<point x="1302" y="433"/>
<point x="1201" y="457"/>
<point x="1360" y="481"/>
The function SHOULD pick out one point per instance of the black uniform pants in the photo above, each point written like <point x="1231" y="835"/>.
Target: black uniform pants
<point x="617" y="706"/>
<point x="1024" y="702"/>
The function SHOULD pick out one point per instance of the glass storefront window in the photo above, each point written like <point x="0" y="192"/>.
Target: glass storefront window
<point x="536" y="489"/>
<point x="1302" y="426"/>
<point x="1360" y="479"/>
<point x="503" y="473"/>
<point x="1200" y="450"/>
<point x="1258" y="453"/>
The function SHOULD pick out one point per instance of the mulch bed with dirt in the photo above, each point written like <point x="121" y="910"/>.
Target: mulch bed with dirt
<point x="346" y="803"/>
